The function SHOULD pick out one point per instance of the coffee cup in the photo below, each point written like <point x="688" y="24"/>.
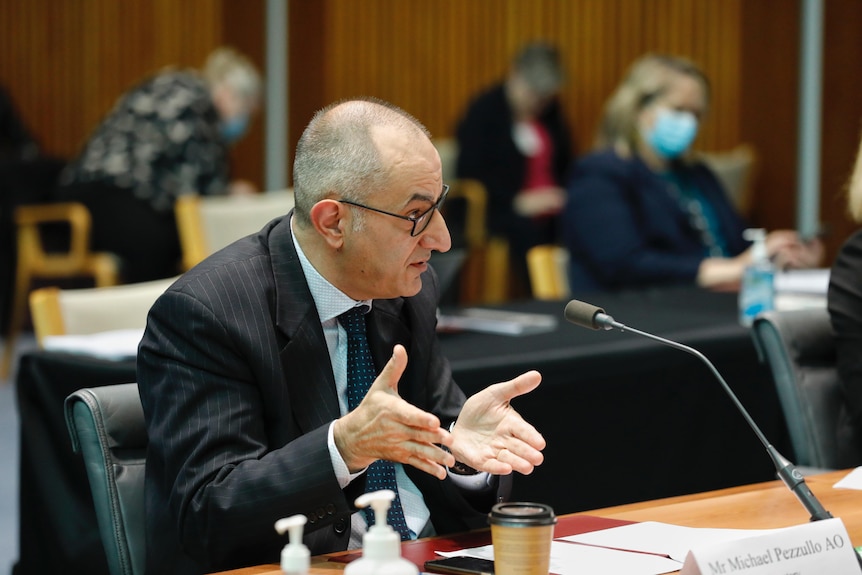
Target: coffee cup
<point x="521" y="534"/>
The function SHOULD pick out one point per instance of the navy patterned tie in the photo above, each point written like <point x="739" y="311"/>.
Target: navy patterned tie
<point x="360" y="376"/>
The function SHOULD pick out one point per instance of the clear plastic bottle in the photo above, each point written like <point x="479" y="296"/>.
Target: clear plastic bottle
<point x="757" y="291"/>
<point x="381" y="545"/>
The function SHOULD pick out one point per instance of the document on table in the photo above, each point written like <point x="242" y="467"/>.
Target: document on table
<point x="852" y="480"/>
<point x="115" y="345"/>
<point x="575" y="559"/>
<point x="810" y="281"/>
<point x="647" y="548"/>
<point x="674" y="541"/>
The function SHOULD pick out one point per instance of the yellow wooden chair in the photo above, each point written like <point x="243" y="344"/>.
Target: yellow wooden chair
<point x="85" y="311"/>
<point x="486" y="271"/>
<point x="35" y="263"/>
<point x="208" y="223"/>
<point x="548" y="268"/>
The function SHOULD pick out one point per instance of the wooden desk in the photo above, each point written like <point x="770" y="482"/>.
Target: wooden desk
<point x="758" y="506"/>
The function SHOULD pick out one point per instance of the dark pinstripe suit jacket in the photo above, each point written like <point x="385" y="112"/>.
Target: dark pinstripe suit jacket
<point x="238" y="393"/>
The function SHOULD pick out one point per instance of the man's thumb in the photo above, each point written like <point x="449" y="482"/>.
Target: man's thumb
<point x="394" y="368"/>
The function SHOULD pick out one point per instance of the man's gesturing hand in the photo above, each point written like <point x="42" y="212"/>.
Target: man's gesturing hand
<point x="384" y="426"/>
<point x="491" y="436"/>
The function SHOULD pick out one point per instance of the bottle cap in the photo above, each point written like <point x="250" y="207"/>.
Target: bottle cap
<point x="295" y="557"/>
<point x="758" y="250"/>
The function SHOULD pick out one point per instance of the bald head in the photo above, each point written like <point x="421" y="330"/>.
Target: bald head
<point x="350" y="149"/>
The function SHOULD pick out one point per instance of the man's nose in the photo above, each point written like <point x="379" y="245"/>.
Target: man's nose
<point x="436" y="237"/>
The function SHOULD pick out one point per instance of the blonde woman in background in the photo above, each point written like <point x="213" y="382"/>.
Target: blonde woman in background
<point x="641" y="211"/>
<point x="166" y="137"/>
<point x="845" y="304"/>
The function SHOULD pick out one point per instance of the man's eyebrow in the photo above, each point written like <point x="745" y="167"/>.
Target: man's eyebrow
<point x="423" y="197"/>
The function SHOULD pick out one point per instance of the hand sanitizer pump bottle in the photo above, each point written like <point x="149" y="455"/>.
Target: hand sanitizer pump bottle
<point x="295" y="557"/>
<point x="381" y="545"/>
<point x="757" y="292"/>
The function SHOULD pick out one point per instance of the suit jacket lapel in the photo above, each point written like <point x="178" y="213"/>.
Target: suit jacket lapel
<point x="304" y="359"/>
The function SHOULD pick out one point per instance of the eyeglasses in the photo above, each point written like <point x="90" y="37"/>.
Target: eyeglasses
<point x="419" y="220"/>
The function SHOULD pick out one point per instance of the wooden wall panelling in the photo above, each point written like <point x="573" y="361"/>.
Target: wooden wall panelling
<point x="431" y="58"/>
<point x="770" y="105"/>
<point x="242" y="26"/>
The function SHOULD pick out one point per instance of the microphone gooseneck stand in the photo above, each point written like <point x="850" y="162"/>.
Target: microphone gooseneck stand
<point x="593" y="317"/>
<point x="785" y="470"/>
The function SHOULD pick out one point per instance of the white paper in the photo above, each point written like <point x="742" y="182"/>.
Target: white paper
<point x="501" y="322"/>
<point x="813" y="281"/>
<point x="673" y="541"/>
<point x="574" y="559"/>
<point x="115" y="344"/>
<point x="793" y="301"/>
<point x="817" y="548"/>
<point x="852" y="480"/>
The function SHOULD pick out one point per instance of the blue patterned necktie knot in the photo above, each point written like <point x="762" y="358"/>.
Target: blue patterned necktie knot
<point x="361" y="373"/>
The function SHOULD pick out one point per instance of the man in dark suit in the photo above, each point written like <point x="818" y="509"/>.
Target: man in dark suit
<point x="243" y="367"/>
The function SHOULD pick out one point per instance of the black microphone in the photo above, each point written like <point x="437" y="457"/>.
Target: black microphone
<point x="592" y="317"/>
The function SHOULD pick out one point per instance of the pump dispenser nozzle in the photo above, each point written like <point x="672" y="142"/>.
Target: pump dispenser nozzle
<point x="295" y="557"/>
<point x="381" y="545"/>
<point x="380" y="502"/>
<point x="758" y="237"/>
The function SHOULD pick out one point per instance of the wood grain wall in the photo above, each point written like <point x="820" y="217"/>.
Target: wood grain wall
<point x="432" y="57"/>
<point x="65" y="62"/>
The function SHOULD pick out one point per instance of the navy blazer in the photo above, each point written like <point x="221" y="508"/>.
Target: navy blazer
<point x="238" y="394"/>
<point x="624" y="230"/>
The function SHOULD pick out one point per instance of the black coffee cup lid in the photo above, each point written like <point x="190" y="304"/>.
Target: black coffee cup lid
<point x="521" y="513"/>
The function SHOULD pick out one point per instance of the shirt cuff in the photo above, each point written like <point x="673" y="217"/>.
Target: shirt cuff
<point x="459" y="469"/>
<point x="342" y="474"/>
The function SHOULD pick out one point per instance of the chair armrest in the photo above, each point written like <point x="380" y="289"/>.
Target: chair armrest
<point x="46" y="313"/>
<point x="190" y="229"/>
<point x="29" y="218"/>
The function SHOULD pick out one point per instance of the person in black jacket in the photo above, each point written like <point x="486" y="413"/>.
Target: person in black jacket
<point x="514" y="139"/>
<point x="641" y="211"/>
<point x="244" y="368"/>
<point x="845" y="305"/>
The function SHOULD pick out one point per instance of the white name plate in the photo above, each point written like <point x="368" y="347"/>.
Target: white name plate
<point x="810" y="549"/>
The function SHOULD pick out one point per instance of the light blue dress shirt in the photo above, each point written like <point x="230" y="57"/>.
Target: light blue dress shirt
<point x="330" y="303"/>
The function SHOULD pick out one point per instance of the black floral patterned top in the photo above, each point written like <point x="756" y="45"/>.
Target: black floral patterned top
<point x="160" y="141"/>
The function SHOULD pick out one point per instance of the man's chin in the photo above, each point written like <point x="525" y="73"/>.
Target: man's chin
<point x="412" y="288"/>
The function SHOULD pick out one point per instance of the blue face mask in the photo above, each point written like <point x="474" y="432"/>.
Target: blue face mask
<point x="672" y="133"/>
<point x="233" y="129"/>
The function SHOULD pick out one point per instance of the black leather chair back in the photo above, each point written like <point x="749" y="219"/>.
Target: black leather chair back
<point x="800" y="349"/>
<point x="107" y="426"/>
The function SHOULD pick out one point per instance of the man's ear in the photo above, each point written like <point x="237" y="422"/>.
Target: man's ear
<point x="329" y="220"/>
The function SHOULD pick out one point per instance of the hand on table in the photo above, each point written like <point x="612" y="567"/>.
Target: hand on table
<point x="788" y="251"/>
<point x="539" y="201"/>
<point x="242" y="188"/>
